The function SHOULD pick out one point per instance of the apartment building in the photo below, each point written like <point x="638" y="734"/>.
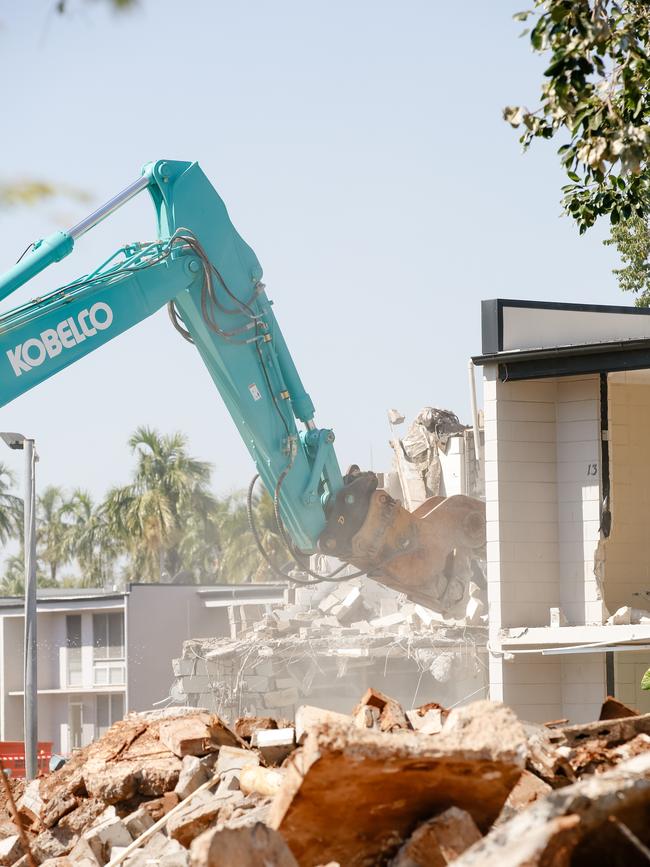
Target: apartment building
<point x="567" y="478"/>
<point x="104" y="653"/>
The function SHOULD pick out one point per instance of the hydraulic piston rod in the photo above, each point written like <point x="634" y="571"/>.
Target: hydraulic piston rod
<point x="109" y="207"/>
<point x="58" y="245"/>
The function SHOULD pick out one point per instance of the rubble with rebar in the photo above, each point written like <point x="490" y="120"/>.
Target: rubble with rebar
<point x="328" y="643"/>
<point x="379" y="786"/>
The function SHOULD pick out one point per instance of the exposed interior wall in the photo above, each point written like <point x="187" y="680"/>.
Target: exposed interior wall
<point x="578" y="472"/>
<point x="629" y="668"/>
<point x="544" y="688"/>
<point x="542" y="470"/>
<point x="627" y="550"/>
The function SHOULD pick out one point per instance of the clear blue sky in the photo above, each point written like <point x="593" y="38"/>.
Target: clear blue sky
<point x="359" y="147"/>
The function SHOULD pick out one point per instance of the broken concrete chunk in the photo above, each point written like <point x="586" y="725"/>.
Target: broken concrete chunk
<point x="473" y="765"/>
<point x="83" y="853"/>
<point x="233" y="758"/>
<point x="557" y="618"/>
<point x="308" y="717"/>
<point x="193" y="774"/>
<point x="393" y="619"/>
<point x="52" y="844"/>
<point x="83" y="816"/>
<point x="30" y="805"/>
<point x="138" y="822"/>
<point x="254" y="846"/>
<point x="246" y="725"/>
<point x="614" y="709"/>
<point x="10" y="849"/>
<point x="189" y="823"/>
<point x="275" y="745"/>
<point x="366" y="717"/>
<point x="474" y="611"/>
<point x="439" y="841"/>
<point x="264" y="781"/>
<point x="196" y="735"/>
<point x="529" y="789"/>
<point x="582" y="819"/>
<point x="391" y="713"/>
<point x="60" y="805"/>
<point x="620" y="617"/>
<point x="428" y="719"/>
<point x="159" y="807"/>
<point x="104" y="836"/>
<point x="157" y="777"/>
<point x="113" y="782"/>
<point x="229" y="781"/>
<point x="609" y="733"/>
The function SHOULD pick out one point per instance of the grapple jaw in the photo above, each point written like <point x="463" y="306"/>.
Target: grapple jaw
<point x="428" y="554"/>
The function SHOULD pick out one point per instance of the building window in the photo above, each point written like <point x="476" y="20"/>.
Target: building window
<point x="73" y="649"/>
<point x="108" y="649"/>
<point x="75" y="725"/>
<point x="108" y="633"/>
<point x="109" y="709"/>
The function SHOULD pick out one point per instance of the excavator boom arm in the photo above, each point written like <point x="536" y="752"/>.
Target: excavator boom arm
<point x="201" y="264"/>
<point x="211" y="279"/>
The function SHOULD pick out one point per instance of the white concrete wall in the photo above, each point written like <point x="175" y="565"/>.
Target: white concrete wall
<point x="542" y="471"/>
<point x="544" y="688"/>
<point x="521" y="501"/>
<point x="578" y="496"/>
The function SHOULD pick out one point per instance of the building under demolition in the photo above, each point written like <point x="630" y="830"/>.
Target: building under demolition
<point x="326" y="644"/>
<point x="567" y="407"/>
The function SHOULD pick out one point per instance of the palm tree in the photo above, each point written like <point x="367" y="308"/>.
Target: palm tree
<point x="52" y="529"/>
<point x="151" y="515"/>
<point x="11" y="507"/>
<point x="13" y="580"/>
<point x="200" y="545"/>
<point x="89" y="539"/>
<point x="240" y="556"/>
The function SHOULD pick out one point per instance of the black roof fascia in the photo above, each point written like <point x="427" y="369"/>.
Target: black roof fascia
<point x="570" y="360"/>
<point x="492" y="316"/>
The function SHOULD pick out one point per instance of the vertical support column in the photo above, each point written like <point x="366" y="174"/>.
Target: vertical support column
<point x="30" y="678"/>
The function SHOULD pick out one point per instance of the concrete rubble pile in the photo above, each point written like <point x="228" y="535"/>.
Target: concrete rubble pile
<point x="423" y="787"/>
<point x="326" y="644"/>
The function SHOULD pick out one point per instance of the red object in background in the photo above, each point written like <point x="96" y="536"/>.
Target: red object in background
<point x="12" y="754"/>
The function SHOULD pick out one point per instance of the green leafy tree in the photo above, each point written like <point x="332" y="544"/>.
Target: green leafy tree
<point x="632" y="239"/>
<point x="13" y="579"/>
<point x="52" y="527"/>
<point x="89" y="539"/>
<point x="11" y="507"/>
<point x="150" y="516"/>
<point x="240" y="557"/>
<point x="595" y="97"/>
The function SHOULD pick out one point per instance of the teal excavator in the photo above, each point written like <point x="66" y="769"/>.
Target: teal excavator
<point x="211" y="282"/>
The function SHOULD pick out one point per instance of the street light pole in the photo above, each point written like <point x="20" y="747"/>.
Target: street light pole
<point x="30" y="681"/>
<point x="31" y="686"/>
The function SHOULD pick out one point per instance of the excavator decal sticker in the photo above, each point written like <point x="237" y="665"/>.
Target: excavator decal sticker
<point x="67" y="334"/>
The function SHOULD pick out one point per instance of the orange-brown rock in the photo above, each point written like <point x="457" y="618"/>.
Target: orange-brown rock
<point x="439" y="841"/>
<point x="601" y="819"/>
<point x="252" y="846"/>
<point x="354" y="795"/>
